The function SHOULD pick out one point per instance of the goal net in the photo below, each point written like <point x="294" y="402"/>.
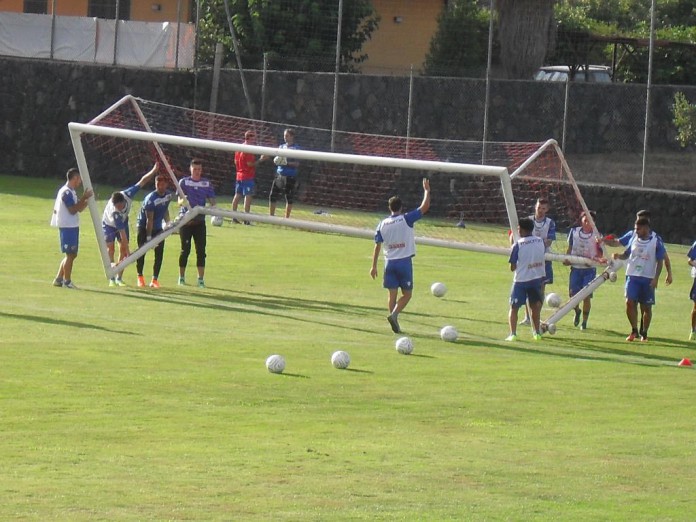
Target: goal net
<point x="345" y="178"/>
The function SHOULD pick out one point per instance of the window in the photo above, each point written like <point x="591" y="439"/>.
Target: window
<point x="36" y="6"/>
<point x="107" y="9"/>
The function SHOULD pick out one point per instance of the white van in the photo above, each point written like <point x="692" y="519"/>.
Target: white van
<point x="561" y="73"/>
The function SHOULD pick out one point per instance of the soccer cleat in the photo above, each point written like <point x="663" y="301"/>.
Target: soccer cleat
<point x="644" y="338"/>
<point x="201" y="283"/>
<point x="511" y="337"/>
<point x="576" y="321"/>
<point x="526" y="321"/>
<point x="112" y="282"/>
<point x="182" y="281"/>
<point x="154" y="284"/>
<point x="536" y="336"/>
<point x="69" y="284"/>
<point x="141" y="281"/>
<point x="583" y="327"/>
<point x="631" y="337"/>
<point x="394" y="324"/>
<point x="248" y="223"/>
<point x="57" y="282"/>
<point x="692" y="336"/>
<point x="236" y="221"/>
<point x="119" y="282"/>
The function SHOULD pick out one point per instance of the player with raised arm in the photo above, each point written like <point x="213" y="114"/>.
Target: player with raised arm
<point x="544" y="228"/>
<point x="397" y="235"/>
<point x="645" y="255"/>
<point x="115" y="221"/>
<point x="527" y="262"/>
<point x="153" y="213"/>
<point x="582" y="242"/>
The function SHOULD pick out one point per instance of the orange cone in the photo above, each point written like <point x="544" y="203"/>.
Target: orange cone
<point x="685" y="362"/>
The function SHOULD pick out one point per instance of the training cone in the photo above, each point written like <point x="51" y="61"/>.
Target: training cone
<point x="685" y="362"/>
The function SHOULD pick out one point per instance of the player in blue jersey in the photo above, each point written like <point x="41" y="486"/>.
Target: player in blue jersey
<point x="154" y="212"/>
<point x="285" y="182"/>
<point x="198" y="191"/>
<point x="645" y="255"/>
<point x="66" y="216"/>
<point x="544" y="228"/>
<point x="397" y="235"/>
<point x="691" y="256"/>
<point x="527" y="261"/>
<point x="582" y="242"/>
<point x="115" y="221"/>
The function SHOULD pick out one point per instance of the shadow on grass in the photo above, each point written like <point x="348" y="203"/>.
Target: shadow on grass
<point x="295" y="375"/>
<point x="60" y="322"/>
<point x="355" y="370"/>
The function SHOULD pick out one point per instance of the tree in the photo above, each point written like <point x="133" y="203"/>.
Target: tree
<point x="684" y="120"/>
<point x="293" y="34"/>
<point x="524" y="28"/>
<point x="460" y="45"/>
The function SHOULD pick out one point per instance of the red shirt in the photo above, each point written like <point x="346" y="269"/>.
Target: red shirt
<point x="244" y="162"/>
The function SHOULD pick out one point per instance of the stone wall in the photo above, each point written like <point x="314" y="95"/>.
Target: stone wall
<point x="39" y="99"/>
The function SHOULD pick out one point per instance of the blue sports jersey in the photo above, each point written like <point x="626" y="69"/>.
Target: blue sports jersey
<point x="197" y="192"/>
<point x="157" y="204"/>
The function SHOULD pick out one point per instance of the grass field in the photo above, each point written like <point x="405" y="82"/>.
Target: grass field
<point x="136" y="404"/>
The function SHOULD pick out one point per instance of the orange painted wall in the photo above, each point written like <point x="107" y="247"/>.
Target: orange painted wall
<point x="396" y="45"/>
<point x="141" y="10"/>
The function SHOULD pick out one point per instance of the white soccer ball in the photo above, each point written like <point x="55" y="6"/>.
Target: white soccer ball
<point x="449" y="334"/>
<point x="553" y="300"/>
<point x="340" y="360"/>
<point x="275" y="363"/>
<point x="216" y="221"/>
<point x="612" y="277"/>
<point x="280" y="160"/>
<point x="404" y="345"/>
<point x="438" y="289"/>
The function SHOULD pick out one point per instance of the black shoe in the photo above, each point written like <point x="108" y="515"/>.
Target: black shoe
<point x="394" y="324"/>
<point x="576" y="321"/>
<point x="235" y="221"/>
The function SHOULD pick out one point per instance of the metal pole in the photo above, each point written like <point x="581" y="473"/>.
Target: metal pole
<point x="235" y="44"/>
<point x="263" y="86"/>
<point x="196" y="61"/>
<point x="565" y="113"/>
<point x="178" y="26"/>
<point x="219" y="52"/>
<point x="648" y="91"/>
<point x="118" y="13"/>
<point x="488" y="82"/>
<point x="337" y="70"/>
<point x="408" y="113"/>
<point x="53" y="27"/>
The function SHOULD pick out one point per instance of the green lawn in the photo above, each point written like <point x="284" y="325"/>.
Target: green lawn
<point x="136" y="404"/>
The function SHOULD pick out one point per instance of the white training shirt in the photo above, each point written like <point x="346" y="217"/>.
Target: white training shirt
<point x="644" y="254"/>
<point x="582" y="244"/>
<point x="528" y="257"/>
<point x="397" y="236"/>
<point x="61" y="215"/>
<point x="545" y="229"/>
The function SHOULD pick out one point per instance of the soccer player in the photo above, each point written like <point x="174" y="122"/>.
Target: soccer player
<point x="691" y="255"/>
<point x="198" y="191"/>
<point x="285" y="182"/>
<point x="527" y="261"/>
<point x="153" y="212"/>
<point x="645" y="255"/>
<point x="115" y="221"/>
<point x="544" y="228"/>
<point x="245" y="164"/>
<point x="397" y="236"/>
<point x="582" y="242"/>
<point x="66" y="216"/>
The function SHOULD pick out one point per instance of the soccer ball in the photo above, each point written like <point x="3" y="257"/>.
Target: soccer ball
<point x="551" y="328"/>
<point x="553" y="300"/>
<point x="216" y="221"/>
<point x="612" y="277"/>
<point x="404" y="345"/>
<point x="275" y="363"/>
<point x="438" y="289"/>
<point x="280" y="160"/>
<point x="449" y="334"/>
<point x="340" y="360"/>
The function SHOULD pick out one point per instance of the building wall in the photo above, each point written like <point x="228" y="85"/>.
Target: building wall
<point x="403" y="37"/>
<point x="141" y="10"/>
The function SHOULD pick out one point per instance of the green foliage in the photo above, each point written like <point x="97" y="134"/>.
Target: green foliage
<point x="298" y="35"/>
<point x="460" y="45"/>
<point x="684" y="120"/>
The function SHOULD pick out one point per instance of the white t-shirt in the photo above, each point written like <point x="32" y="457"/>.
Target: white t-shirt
<point x="582" y="244"/>
<point x="528" y="257"/>
<point x="397" y="236"/>
<point x="644" y="255"/>
<point x="62" y="217"/>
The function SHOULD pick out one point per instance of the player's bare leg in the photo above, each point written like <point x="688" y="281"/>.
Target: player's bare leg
<point x="692" y="335"/>
<point x="632" y="315"/>
<point x="536" y="316"/>
<point x="288" y="209"/>
<point x="646" y="315"/>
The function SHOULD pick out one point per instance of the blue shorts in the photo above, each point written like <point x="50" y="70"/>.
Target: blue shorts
<point x="69" y="239"/>
<point x="111" y="234"/>
<point x="549" y="273"/>
<point x="245" y="187"/>
<point x="526" y="291"/>
<point x="692" y="294"/>
<point x="399" y="274"/>
<point x="580" y="278"/>
<point x="638" y="289"/>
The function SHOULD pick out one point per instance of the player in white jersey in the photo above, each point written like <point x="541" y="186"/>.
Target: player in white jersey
<point x="115" y="221"/>
<point x="66" y="216"/>
<point x="582" y="242"/>
<point x="645" y="255"/>
<point x="397" y="236"/>
<point x="527" y="261"/>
